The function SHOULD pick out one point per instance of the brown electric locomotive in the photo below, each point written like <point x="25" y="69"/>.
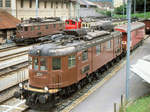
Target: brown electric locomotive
<point x="37" y="29"/>
<point x="64" y="66"/>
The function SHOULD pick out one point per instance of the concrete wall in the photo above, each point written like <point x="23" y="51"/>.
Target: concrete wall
<point x="88" y="12"/>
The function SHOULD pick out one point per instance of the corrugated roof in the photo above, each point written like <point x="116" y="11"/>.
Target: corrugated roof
<point x="7" y="21"/>
<point x="134" y="26"/>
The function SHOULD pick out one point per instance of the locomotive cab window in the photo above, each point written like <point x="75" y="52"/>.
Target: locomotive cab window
<point x="32" y="28"/>
<point x="73" y="22"/>
<point x="36" y="63"/>
<point x="67" y="22"/>
<point x="38" y="28"/>
<point x="98" y="49"/>
<point x="46" y="27"/>
<point x="43" y="64"/>
<point x="30" y="62"/>
<point x="83" y="25"/>
<point x="71" y="61"/>
<point x="84" y="55"/>
<point x="108" y="44"/>
<point x="25" y="28"/>
<point x="54" y="25"/>
<point x="56" y="63"/>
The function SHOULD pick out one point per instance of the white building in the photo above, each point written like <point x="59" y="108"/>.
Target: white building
<point x="24" y="9"/>
<point x="118" y="3"/>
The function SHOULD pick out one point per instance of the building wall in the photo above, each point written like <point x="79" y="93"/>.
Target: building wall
<point x="54" y="8"/>
<point x="87" y="12"/>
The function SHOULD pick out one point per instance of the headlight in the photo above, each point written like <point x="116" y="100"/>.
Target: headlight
<point x="20" y="85"/>
<point x="46" y="89"/>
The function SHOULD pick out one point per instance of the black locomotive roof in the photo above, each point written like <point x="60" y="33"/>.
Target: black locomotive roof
<point x="57" y="49"/>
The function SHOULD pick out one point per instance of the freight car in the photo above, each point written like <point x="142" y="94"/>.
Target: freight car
<point x="137" y="34"/>
<point x="60" y="68"/>
<point x="37" y="29"/>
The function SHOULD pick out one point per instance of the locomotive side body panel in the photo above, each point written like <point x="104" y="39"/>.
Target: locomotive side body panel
<point x="84" y="63"/>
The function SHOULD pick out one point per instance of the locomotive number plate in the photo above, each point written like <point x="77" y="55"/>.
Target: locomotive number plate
<point x="38" y="74"/>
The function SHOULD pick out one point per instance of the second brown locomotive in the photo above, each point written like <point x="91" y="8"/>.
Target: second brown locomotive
<point x="37" y="29"/>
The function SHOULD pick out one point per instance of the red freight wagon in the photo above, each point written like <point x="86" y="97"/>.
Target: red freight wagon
<point x="147" y="25"/>
<point x="137" y="34"/>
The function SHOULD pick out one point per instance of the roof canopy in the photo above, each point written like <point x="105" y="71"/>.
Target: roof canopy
<point x="7" y="21"/>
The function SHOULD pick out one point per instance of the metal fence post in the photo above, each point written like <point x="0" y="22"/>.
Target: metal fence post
<point x="115" y="107"/>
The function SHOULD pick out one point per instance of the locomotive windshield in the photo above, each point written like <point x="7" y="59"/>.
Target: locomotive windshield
<point x="39" y="63"/>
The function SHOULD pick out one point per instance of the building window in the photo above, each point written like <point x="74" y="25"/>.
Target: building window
<point x="36" y="61"/>
<point x="66" y="5"/>
<point x="38" y="4"/>
<point x="56" y="4"/>
<point x="84" y="55"/>
<point x="98" y="49"/>
<point x="46" y="27"/>
<point x="1" y="3"/>
<point x="51" y="4"/>
<point x="25" y="28"/>
<point x="109" y="44"/>
<point x="71" y="61"/>
<point x="45" y="4"/>
<point x="21" y="3"/>
<point x="56" y="63"/>
<point x="30" y="3"/>
<point x="8" y="3"/>
<point x="62" y="4"/>
<point x="43" y="65"/>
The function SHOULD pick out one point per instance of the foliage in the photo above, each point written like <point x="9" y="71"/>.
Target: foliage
<point x="137" y="15"/>
<point x="104" y="12"/>
<point x="119" y="10"/>
<point x="140" y="105"/>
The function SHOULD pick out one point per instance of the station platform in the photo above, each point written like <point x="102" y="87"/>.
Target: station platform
<point x="103" y="99"/>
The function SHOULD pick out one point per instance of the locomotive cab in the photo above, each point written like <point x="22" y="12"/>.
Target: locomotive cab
<point x="73" y="24"/>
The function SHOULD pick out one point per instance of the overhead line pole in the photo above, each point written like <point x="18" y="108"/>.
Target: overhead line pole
<point x="123" y="7"/>
<point x="37" y="3"/>
<point x="144" y="8"/>
<point x="134" y="6"/>
<point x="128" y="48"/>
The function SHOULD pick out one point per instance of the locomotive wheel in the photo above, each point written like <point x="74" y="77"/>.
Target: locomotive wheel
<point x="97" y="75"/>
<point x="79" y="86"/>
<point x="89" y="79"/>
